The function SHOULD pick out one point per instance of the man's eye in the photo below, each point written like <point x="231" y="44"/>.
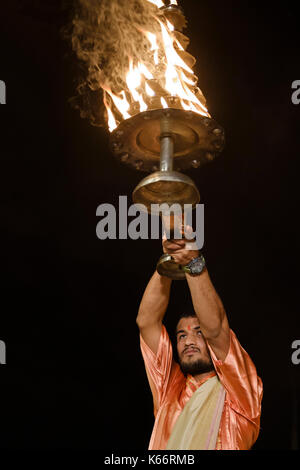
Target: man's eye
<point x="199" y="333"/>
<point x="181" y="336"/>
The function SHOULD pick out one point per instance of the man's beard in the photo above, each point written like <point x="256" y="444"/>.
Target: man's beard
<point x="196" y="367"/>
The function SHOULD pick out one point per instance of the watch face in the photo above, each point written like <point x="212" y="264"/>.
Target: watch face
<point x="198" y="267"/>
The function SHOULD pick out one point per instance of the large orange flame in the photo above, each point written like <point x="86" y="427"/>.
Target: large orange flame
<point x="179" y="81"/>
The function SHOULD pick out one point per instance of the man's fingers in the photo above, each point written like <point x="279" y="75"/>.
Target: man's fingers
<point x="188" y="234"/>
<point x="179" y="258"/>
<point x="174" y="244"/>
<point x="177" y="252"/>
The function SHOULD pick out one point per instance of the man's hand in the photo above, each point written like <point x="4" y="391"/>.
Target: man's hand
<point x="177" y="249"/>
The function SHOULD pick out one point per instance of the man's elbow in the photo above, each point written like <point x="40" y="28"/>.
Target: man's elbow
<point x="146" y="321"/>
<point x="211" y="334"/>
<point x="222" y="327"/>
<point x="139" y="322"/>
<point x="142" y="321"/>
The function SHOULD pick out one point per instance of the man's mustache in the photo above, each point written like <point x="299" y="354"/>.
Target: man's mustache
<point x="191" y="349"/>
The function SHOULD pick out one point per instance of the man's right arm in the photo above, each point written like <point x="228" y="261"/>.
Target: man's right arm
<point x="152" y="310"/>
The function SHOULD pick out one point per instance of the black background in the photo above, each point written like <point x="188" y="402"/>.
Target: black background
<point x="74" y="376"/>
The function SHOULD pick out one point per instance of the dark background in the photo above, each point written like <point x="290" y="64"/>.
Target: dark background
<point x="74" y="376"/>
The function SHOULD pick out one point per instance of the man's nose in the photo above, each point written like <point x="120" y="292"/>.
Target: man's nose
<point x="189" y="340"/>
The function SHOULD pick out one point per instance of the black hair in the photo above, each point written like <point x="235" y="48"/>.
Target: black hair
<point x="187" y="314"/>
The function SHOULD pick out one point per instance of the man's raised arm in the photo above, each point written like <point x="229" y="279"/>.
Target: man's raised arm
<point x="152" y="310"/>
<point x="211" y="313"/>
<point x="207" y="304"/>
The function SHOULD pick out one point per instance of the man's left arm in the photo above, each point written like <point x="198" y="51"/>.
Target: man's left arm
<point x="211" y="313"/>
<point x="207" y="303"/>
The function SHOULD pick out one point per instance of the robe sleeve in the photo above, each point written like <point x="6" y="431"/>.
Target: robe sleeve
<point x="238" y="375"/>
<point x="158" y="367"/>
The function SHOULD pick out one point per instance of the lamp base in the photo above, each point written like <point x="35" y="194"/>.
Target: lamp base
<point x="167" y="267"/>
<point x="166" y="187"/>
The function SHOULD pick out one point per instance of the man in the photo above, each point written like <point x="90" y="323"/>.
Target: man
<point x="212" y="398"/>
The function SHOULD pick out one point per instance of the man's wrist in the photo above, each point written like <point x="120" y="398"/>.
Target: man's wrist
<point x="196" y="266"/>
<point x="192" y="255"/>
<point x="165" y="280"/>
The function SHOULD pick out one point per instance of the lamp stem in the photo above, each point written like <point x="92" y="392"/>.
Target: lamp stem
<point x="166" y="147"/>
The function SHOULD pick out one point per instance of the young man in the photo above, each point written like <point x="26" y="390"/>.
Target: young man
<point x="212" y="398"/>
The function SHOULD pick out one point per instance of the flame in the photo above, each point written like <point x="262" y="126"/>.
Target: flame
<point x="164" y="103"/>
<point x="143" y="69"/>
<point x="121" y="104"/>
<point x="158" y="3"/>
<point x="170" y="26"/>
<point x="112" y="124"/>
<point x="149" y="90"/>
<point x="171" y="55"/>
<point x="134" y="81"/>
<point x="143" y="106"/>
<point x="166" y="67"/>
<point x="154" y="46"/>
<point x="184" y="105"/>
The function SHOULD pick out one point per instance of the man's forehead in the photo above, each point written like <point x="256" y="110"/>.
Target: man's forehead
<point x="188" y="323"/>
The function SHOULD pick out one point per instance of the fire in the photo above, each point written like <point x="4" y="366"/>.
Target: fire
<point x="149" y="90"/>
<point x="154" y="46"/>
<point x="112" y="124"/>
<point x="134" y="80"/>
<point x="164" y="103"/>
<point x="158" y="3"/>
<point x="170" y="26"/>
<point x="166" y="71"/>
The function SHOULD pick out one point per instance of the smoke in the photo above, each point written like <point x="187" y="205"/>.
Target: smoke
<point x="105" y="35"/>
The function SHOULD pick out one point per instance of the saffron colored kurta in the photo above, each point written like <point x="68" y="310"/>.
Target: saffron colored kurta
<point x="171" y="390"/>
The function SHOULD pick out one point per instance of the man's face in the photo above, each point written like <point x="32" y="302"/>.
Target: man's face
<point x="194" y="357"/>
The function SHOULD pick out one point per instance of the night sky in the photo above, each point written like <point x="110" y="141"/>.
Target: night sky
<point x="74" y="376"/>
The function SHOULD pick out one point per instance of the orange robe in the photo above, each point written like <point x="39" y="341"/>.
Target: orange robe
<point x="171" y="389"/>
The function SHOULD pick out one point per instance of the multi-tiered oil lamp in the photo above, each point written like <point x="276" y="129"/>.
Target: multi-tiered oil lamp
<point x="162" y="124"/>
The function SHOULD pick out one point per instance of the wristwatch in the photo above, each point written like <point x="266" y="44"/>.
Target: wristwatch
<point x="196" y="266"/>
